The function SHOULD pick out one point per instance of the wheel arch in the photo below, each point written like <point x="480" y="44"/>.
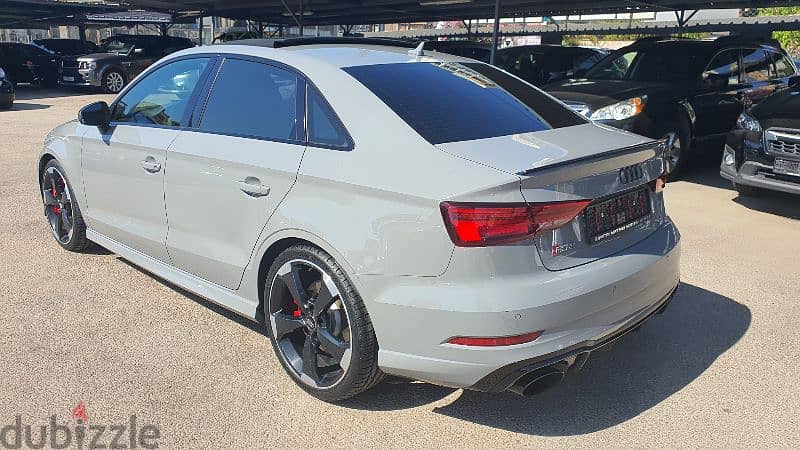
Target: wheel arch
<point x="281" y="241"/>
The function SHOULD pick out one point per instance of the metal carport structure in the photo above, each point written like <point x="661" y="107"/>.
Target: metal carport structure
<point x="350" y="12"/>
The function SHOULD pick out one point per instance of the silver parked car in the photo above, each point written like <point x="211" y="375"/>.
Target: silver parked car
<point x="383" y="210"/>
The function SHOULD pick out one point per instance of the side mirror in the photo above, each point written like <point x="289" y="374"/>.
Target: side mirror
<point x="715" y="82"/>
<point x="794" y="81"/>
<point x="96" y="114"/>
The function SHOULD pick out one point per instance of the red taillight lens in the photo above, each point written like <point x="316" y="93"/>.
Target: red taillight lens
<point x="495" y="341"/>
<point x="480" y="225"/>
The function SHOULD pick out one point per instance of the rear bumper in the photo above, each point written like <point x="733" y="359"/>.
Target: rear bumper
<point x="759" y="175"/>
<point x="578" y="309"/>
<point x="502" y="378"/>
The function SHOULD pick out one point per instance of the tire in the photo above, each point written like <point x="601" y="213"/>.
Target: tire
<point x="679" y="134"/>
<point x="113" y="81"/>
<point x="300" y="332"/>
<point x="61" y="209"/>
<point x="747" y="191"/>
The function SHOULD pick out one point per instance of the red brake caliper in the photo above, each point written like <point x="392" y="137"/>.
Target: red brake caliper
<point x="56" y="209"/>
<point x="296" y="312"/>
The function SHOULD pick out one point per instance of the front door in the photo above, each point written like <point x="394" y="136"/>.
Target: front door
<point x="227" y="177"/>
<point x="123" y="166"/>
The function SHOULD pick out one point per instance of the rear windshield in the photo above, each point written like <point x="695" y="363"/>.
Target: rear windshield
<point x="450" y="102"/>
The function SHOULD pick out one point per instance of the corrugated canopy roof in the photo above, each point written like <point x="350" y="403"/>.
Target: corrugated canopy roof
<point x="332" y="12"/>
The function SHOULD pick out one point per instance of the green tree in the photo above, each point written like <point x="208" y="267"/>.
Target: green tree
<point x="790" y="40"/>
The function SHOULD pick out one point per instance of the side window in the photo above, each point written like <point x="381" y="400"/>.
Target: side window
<point x="724" y="65"/>
<point x="324" y="127"/>
<point x="757" y="67"/>
<point x="162" y="96"/>
<point x="252" y="99"/>
<point x="783" y="67"/>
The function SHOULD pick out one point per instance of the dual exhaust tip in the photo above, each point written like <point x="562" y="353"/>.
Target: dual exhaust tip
<point x="540" y="380"/>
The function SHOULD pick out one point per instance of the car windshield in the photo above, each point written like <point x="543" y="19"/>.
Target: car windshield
<point x="652" y="64"/>
<point x="118" y="46"/>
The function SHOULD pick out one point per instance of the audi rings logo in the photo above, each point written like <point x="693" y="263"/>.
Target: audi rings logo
<point x="631" y="174"/>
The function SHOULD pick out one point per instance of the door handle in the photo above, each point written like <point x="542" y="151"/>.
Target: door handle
<point x="151" y="165"/>
<point x="252" y="186"/>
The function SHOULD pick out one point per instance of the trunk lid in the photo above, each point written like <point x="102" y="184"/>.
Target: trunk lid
<point x="611" y="167"/>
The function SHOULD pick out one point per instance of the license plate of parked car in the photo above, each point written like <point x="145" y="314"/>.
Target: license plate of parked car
<point x="617" y="214"/>
<point x="69" y="78"/>
<point x="786" y="167"/>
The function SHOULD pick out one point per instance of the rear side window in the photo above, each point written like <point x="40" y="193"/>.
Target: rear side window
<point x="252" y="99"/>
<point x="449" y="102"/>
<point x="324" y="128"/>
<point x="757" y="67"/>
<point x="783" y="67"/>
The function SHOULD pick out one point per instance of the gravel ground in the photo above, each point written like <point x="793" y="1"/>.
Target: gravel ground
<point x="719" y="368"/>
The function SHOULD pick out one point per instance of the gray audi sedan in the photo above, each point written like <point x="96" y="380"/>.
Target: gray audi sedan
<point x="382" y="209"/>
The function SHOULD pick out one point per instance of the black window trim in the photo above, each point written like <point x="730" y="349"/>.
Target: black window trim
<point x="185" y="120"/>
<point x="200" y="109"/>
<point x="202" y="92"/>
<point x="303" y="82"/>
<point x="334" y="118"/>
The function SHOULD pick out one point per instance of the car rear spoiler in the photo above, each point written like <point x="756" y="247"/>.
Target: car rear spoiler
<point x="586" y="166"/>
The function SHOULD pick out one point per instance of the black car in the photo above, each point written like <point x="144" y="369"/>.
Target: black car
<point x="468" y="49"/>
<point x="118" y="61"/>
<point x="6" y="91"/>
<point x="679" y="89"/>
<point x="763" y="152"/>
<point x="66" y="47"/>
<point x="542" y="64"/>
<point x="25" y="63"/>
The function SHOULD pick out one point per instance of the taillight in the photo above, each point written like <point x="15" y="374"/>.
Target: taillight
<point x="500" y="341"/>
<point x="481" y="224"/>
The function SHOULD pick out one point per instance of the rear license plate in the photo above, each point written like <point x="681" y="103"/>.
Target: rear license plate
<point x="786" y="167"/>
<point x="69" y="79"/>
<point x="611" y="217"/>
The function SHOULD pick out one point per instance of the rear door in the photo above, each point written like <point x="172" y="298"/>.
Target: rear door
<point x="229" y="173"/>
<point x="718" y="107"/>
<point x="759" y="80"/>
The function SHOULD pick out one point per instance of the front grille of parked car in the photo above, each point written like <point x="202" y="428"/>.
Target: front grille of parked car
<point x="785" y="147"/>
<point x="783" y="142"/>
<point x="69" y="64"/>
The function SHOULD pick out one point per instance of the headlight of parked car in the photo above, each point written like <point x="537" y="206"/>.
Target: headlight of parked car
<point x="622" y="110"/>
<point x="87" y="65"/>
<point x="748" y="122"/>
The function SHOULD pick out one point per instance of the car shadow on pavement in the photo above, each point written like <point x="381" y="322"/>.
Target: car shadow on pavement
<point x="27" y="106"/>
<point x="775" y="203"/>
<point x="37" y="93"/>
<point x="640" y="371"/>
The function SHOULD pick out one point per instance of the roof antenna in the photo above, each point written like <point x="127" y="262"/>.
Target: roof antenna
<point x="418" y="51"/>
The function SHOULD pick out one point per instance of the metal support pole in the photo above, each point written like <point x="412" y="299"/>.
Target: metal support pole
<point x="301" y="18"/>
<point x="200" y="29"/>
<point x="495" y="31"/>
<point x="82" y="32"/>
<point x="260" y="29"/>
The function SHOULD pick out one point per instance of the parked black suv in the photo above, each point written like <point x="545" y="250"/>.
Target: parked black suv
<point x="542" y="64"/>
<point x="66" y="47"/>
<point x="24" y="63"/>
<point x="6" y="91"/>
<point x="763" y="152"/>
<point x="119" y="60"/>
<point x="468" y="49"/>
<point x="680" y="89"/>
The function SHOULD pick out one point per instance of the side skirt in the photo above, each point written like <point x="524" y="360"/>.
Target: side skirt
<point x="224" y="297"/>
